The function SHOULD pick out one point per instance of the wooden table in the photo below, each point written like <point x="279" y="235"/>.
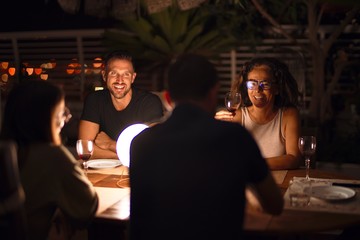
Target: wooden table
<point x="114" y="209"/>
<point x="299" y="222"/>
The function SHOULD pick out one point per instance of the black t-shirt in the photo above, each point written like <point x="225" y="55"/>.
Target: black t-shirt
<point x="188" y="177"/>
<point x="144" y="107"/>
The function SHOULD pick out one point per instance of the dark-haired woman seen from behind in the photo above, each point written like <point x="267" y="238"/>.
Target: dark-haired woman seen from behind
<point x="51" y="177"/>
<point x="270" y="100"/>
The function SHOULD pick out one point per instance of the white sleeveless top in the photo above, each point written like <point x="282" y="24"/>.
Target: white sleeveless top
<point x="269" y="136"/>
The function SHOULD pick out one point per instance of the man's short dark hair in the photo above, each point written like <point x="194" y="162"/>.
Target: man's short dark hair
<point x="118" y="54"/>
<point x="191" y="76"/>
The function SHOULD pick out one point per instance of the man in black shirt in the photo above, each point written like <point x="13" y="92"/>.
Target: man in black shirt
<point x="188" y="174"/>
<point x="108" y="112"/>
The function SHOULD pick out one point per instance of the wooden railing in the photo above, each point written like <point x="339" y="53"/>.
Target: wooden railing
<point x="83" y="46"/>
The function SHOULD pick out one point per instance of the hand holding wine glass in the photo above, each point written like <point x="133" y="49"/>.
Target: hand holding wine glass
<point x="307" y="147"/>
<point x="232" y="101"/>
<point x="85" y="149"/>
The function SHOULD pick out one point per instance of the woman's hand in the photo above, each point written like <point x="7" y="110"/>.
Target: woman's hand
<point x="224" y="115"/>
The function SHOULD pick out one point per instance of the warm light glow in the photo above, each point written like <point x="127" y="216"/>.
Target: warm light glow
<point x="29" y="70"/>
<point x="97" y="71"/>
<point x="124" y="142"/>
<point x="97" y="62"/>
<point x="4" y="77"/>
<point x="99" y="88"/>
<point x="74" y="67"/>
<point x="48" y="65"/>
<point x="53" y="63"/>
<point x="44" y="76"/>
<point x="4" y="65"/>
<point x="87" y="69"/>
<point x="70" y="69"/>
<point x="38" y="71"/>
<point x="12" y="71"/>
<point x="77" y="68"/>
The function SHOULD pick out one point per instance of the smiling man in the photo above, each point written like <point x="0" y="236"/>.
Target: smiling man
<point x="108" y="112"/>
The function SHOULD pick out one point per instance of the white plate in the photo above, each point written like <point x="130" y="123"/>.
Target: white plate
<point x="103" y="163"/>
<point x="332" y="192"/>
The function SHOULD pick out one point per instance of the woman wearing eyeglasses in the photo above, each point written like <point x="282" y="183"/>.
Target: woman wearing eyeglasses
<point x="269" y="110"/>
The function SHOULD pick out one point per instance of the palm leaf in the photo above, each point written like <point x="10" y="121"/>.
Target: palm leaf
<point x="157" y="38"/>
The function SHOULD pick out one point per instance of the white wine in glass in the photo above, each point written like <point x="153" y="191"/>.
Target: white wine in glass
<point x="307" y="147"/>
<point x="232" y="101"/>
<point x="85" y="149"/>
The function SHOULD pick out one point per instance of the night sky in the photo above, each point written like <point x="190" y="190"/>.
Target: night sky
<point x="30" y="15"/>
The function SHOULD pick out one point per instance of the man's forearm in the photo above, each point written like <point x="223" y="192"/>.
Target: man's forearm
<point x="104" y="153"/>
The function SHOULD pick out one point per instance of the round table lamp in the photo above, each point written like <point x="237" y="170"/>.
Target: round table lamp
<point x="124" y="141"/>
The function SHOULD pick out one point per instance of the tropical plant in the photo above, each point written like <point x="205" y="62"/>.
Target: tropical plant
<point x="155" y="39"/>
<point x="328" y="60"/>
<point x="318" y="47"/>
<point x="218" y="26"/>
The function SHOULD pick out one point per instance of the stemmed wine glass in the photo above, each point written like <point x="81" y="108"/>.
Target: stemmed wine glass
<point x="232" y="101"/>
<point x="85" y="149"/>
<point x="307" y="147"/>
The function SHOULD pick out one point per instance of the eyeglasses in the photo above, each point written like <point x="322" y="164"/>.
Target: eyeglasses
<point x="115" y="74"/>
<point x="254" y="84"/>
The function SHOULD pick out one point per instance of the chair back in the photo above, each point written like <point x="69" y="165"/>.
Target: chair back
<point x="12" y="212"/>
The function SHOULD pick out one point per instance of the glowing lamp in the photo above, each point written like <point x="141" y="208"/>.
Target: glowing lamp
<point x="38" y="71"/>
<point x="97" y="70"/>
<point x="44" y="76"/>
<point x="12" y="71"/>
<point x="4" y="65"/>
<point x="4" y="77"/>
<point x="53" y="63"/>
<point x="29" y="70"/>
<point x="124" y="142"/>
<point x="98" y="88"/>
<point x="77" y="70"/>
<point x="70" y="68"/>
<point x="97" y="62"/>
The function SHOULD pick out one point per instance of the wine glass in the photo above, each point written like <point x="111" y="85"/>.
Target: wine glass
<point x="307" y="147"/>
<point x="232" y="101"/>
<point x="85" y="149"/>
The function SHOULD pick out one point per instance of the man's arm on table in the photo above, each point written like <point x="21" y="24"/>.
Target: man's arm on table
<point x="104" y="147"/>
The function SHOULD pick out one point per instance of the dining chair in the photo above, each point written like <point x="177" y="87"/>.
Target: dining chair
<point x="12" y="212"/>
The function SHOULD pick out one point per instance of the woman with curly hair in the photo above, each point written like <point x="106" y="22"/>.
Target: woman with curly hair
<point x="269" y="110"/>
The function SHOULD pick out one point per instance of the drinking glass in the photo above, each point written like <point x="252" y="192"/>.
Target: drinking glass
<point x="299" y="193"/>
<point x="307" y="147"/>
<point x="85" y="149"/>
<point x="232" y="101"/>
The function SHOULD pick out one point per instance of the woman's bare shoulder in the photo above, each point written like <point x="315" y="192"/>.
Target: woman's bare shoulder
<point x="290" y="112"/>
<point x="290" y="115"/>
